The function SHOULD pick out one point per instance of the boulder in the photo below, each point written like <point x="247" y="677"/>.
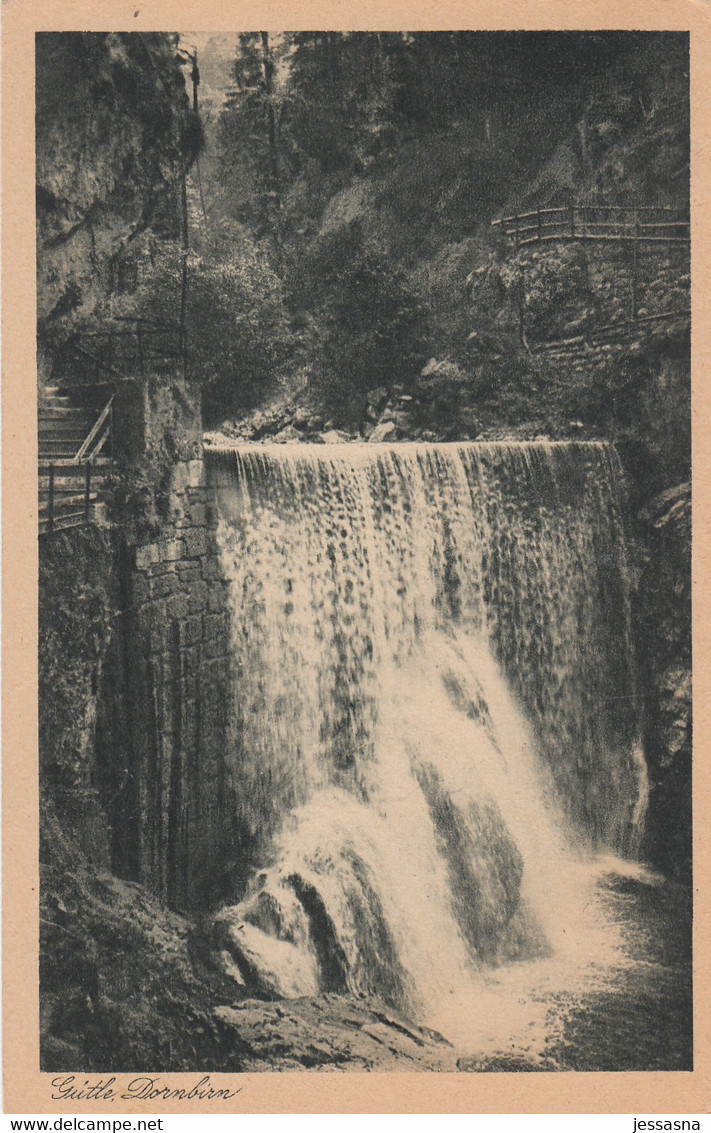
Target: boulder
<point x="384" y="431"/>
<point x="333" y="1032"/>
<point x="376" y="398"/>
<point x="287" y="436"/>
<point x="261" y="961"/>
<point x="431" y="367"/>
<point x="334" y="437"/>
<point x="670" y="509"/>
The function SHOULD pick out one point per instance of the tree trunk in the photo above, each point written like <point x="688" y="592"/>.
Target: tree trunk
<point x="275" y="209"/>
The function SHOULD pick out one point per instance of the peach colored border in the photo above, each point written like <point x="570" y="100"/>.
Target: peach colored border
<point x="28" y="1091"/>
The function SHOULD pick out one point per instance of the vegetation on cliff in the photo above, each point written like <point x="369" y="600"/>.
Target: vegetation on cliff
<point x="369" y="167"/>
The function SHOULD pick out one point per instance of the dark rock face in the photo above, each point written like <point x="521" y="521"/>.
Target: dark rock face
<point x="113" y="135"/>
<point x="664" y="619"/>
<point x="77" y="603"/>
<point x="127" y="985"/>
<point x="121" y="979"/>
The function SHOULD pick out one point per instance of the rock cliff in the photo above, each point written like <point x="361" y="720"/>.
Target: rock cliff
<point x="114" y="132"/>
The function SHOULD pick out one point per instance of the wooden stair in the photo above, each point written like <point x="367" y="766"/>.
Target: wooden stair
<point x="72" y="485"/>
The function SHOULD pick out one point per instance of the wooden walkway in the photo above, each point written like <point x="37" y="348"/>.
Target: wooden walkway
<point x="648" y="225"/>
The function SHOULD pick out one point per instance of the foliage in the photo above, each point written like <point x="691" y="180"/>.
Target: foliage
<point x="373" y="328"/>
<point x="251" y="138"/>
<point x="361" y="162"/>
<point x="238" y="329"/>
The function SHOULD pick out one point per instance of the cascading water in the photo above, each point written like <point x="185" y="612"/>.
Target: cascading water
<point x="435" y="717"/>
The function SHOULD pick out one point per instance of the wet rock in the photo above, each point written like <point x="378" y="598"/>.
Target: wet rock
<point x="288" y="436"/>
<point x="267" y="965"/>
<point x="334" y="437"/>
<point x="485" y="865"/>
<point x="332" y="1031"/>
<point x="384" y="431"/>
<point x="227" y="964"/>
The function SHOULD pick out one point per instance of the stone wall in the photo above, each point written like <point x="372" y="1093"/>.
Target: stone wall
<point x="166" y="720"/>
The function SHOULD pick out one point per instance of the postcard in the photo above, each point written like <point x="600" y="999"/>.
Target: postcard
<point x="352" y="374"/>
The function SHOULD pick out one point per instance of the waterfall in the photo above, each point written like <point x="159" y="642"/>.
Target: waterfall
<point x="434" y="717"/>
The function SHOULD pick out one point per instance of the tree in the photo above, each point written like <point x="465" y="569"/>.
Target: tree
<point x="374" y="328"/>
<point x="250" y="129"/>
<point x="238" y="327"/>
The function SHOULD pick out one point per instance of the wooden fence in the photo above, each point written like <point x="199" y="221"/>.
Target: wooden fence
<point x="648" y="225"/>
<point x="126" y="348"/>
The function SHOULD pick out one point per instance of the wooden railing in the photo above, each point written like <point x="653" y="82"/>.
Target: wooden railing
<point x="610" y="333"/>
<point x="649" y="225"/>
<point x="134" y="346"/>
<point x="51" y="495"/>
<point x="89" y="450"/>
<point x="120" y="353"/>
<point x="98" y="436"/>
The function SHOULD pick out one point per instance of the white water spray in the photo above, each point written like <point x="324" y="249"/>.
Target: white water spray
<point x="435" y="715"/>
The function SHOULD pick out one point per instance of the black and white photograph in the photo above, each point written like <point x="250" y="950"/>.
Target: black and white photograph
<point x="364" y="528"/>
